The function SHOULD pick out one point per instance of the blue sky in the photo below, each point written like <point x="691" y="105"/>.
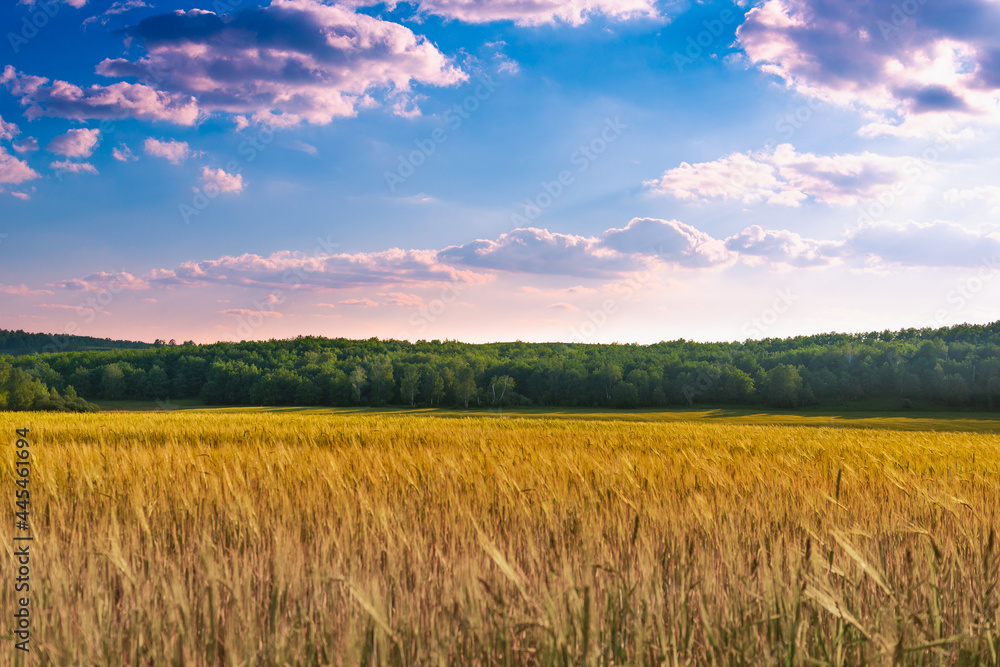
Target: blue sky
<point x="591" y="170"/>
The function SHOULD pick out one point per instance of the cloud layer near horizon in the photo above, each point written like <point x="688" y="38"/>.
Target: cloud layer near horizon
<point x="642" y="244"/>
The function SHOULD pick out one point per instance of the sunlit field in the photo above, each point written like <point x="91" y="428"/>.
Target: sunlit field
<point x="273" y="538"/>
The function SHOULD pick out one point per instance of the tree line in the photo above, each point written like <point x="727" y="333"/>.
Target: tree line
<point x="955" y="367"/>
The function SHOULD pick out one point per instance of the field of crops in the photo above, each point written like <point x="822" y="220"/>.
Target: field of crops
<point x="204" y="538"/>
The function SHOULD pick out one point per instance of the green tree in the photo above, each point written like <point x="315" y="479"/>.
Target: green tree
<point x="113" y="381"/>
<point x="409" y="385"/>
<point x="382" y="381"/>
<point x="784" y="386"/>
<point x="358" y="380"/>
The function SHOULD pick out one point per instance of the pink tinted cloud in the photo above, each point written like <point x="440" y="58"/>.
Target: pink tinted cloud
<point x="103" y="281"/>
<point x="287" y="62"/>
<point x="244" y="312"/>
<point x="218" y="180"/>
<point x="65" y="166"/>
<point x="123" y="153"/>
<point x="75" y="143"/>
<point x="26" y="145"/>
<point x="62" y="99"/>
<point x="13" y="170"/>
<point x="8" y="130"/>
<point x="173" y="152"/>
<point x="22" y="290"/>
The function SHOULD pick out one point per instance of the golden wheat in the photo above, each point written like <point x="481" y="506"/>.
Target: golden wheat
<point x="201" y="538"/>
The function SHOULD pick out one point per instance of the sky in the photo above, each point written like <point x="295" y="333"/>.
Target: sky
<point x="539" y="170"/>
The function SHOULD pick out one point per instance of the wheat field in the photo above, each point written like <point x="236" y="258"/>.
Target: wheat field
<point x="213" y="538"/>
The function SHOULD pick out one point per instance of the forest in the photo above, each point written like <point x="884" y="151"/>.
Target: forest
<point x="954" y="367"/>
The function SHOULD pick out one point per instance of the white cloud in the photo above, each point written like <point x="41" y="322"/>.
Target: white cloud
<point x="782" y="248"/>
<point x="531" y="250"/>
<point x="913" y="68"/>
<point x="219" y="181"/>
<point x="989" y="194"/>
<point x="784" y="177"/>
<point x="534" y="12"/>
<point x="173" y="152"/>
<point x="75" y="143"/>
<point x="669" y="241"/>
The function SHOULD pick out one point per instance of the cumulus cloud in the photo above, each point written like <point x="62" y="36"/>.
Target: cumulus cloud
<point x="23" y="196"/>
<point x="913" y="65"/>
<point x="784" y="177"/>
<point x="668" y="240"/>
<point x="531" y="250"/>
<point x="219" y="181"/>
<point x="62" y="99"/>
<point x="287" y="62"/>
<point x="173" y="152"/>
<point x="75" y="143"/>
<point x="13" y="170"/>
<point x="73" y="167"/>
<point x="536" y="12"/>
<point x="782" y="247"/>
<point x="645" y="243"/>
